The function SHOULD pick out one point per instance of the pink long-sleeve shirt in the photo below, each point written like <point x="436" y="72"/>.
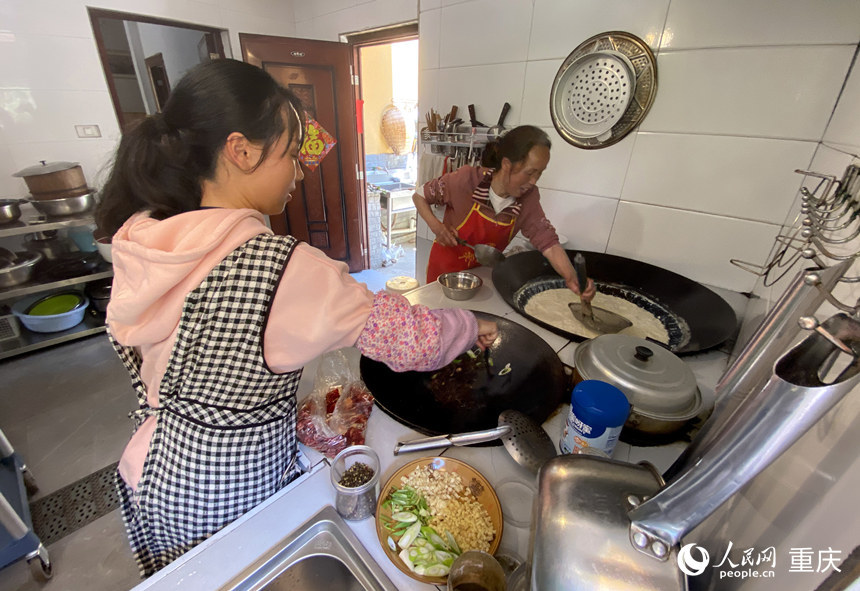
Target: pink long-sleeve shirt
<point x="317" y="307"/>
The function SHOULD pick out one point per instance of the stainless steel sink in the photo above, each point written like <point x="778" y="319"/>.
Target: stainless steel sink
<point x="395" y="186"/>
<point x="323" y="553"/>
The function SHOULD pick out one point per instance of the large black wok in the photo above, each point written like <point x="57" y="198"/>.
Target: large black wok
<point x="697" y="318"/>
<point x="535" y="385"/>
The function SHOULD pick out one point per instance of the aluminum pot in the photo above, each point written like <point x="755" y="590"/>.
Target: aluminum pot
<point x="54" y="180"/>
<point x="661" y="388"/>
<point x="10" y="210"/>
<point x="19" y="271"/>
<point x="99" y="293"/>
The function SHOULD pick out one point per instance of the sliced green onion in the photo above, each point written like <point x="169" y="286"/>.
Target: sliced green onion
<point x="409" y="535"/>
<point x="404" y="516"/>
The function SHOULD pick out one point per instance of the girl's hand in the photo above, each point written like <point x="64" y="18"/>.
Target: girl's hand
<point x="488" y="332"/>
<point x="589" y="292"/>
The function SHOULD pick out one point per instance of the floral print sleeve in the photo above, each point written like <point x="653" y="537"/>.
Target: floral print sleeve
<point x="436" y="191"/>
<point x="415" y="338"/>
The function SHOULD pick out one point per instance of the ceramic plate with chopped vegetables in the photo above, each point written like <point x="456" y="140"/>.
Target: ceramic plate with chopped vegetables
<point x="433" y="509"/>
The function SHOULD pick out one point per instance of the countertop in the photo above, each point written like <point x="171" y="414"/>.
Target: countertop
<point x="217" y="560"/>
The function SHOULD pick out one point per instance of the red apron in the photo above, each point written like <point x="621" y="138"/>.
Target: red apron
<point x="479" y="227"/>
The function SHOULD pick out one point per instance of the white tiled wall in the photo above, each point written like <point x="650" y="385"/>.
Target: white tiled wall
<point x="51" y="78"/>
<point x="840" y="147"/>
<point x="774" y="502"/>
<point x="328" y="19"/>
<point x="745" y="94"/>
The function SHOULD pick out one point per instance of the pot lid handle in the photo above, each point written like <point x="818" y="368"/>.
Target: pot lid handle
<point x="643" y="353"/>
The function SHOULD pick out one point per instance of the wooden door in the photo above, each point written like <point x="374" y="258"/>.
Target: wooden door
<point x="158" y="79"/>
<point x="328" y="207"/>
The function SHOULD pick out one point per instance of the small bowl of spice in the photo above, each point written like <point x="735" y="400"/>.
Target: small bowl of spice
<point x="355" y="477"/>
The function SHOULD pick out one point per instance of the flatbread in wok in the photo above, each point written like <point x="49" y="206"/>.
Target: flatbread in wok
<point x="551" y="306"/>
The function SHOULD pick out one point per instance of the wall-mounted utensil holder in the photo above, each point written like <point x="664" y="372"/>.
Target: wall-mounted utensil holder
<point x="825" y="231"/>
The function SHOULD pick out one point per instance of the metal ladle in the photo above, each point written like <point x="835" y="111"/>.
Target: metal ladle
<point x="486" y="254"/>
<point x="525" y="441"/>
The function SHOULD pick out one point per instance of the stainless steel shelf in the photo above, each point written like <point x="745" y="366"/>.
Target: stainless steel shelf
<point x="33" y="221"/>
<point x="33" y="341"/>
<point x="105" y="270"/>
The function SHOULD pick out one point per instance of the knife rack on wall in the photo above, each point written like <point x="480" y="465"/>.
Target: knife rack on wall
<point x="461" y="144"/>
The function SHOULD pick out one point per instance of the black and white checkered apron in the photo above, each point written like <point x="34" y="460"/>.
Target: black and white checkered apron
<point x="225" y="438"/>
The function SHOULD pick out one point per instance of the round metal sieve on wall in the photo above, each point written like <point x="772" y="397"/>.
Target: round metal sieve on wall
<point x="603" y="90"/>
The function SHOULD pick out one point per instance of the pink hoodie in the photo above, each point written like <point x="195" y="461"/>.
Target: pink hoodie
<point x="318" y="306"/>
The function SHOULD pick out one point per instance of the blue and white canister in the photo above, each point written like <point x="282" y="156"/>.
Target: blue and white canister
<point x="598" y="411"/>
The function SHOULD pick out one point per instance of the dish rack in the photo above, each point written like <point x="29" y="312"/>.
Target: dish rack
<point x="9" y="329"/>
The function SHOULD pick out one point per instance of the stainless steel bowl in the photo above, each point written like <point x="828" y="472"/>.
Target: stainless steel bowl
<point x="10" y="210"/>
<point x="66" y="205"/>
<point x="21" y="271"/>
<point x="460" y="285"/>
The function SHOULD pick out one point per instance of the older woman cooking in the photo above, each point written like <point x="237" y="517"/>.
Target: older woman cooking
<point x="489" y="204"/>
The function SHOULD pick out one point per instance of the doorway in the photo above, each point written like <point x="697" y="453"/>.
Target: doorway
<point x="327" y="209"/>
<point x="388" y="74"/>
<point x="158" y="79"/>
<point x="141" y="55"/>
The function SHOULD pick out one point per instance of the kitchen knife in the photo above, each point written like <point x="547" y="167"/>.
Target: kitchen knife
<point x="474" y="120"/>
<point x="496" y="129"/>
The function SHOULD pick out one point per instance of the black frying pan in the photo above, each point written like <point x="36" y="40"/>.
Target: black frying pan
<point x="535" y="386"/>
<point x="707" y="318"/>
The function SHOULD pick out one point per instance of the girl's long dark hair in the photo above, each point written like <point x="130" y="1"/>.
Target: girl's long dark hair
<point x="514" y="145"/>
<point x="161" y="163"/>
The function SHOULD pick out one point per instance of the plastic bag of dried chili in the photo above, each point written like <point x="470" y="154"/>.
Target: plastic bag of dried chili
<point x="334" y="415"/>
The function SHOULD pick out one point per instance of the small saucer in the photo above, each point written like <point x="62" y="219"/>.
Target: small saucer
<point x="517" y="499"/>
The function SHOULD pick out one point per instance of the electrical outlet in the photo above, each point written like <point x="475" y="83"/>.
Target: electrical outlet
<point x="88" y="131"/>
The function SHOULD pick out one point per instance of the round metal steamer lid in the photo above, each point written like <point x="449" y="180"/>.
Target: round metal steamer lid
<point x="594" y="93"/>
<point x="45" y="168"/>
<point x="659" y="384"/>
<point x="603" y="90"/>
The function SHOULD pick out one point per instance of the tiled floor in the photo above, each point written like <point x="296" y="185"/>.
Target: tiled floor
<point x="65" y="411"/>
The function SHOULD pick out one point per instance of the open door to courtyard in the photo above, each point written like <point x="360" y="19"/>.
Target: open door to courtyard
<point x="388" y="74"/>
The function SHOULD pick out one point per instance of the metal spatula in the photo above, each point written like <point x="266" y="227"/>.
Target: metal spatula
<point x="525" y="440"/>
<point x="597" y="319"/>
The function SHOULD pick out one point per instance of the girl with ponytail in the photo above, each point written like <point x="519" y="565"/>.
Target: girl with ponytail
<point x="214" y="316"/>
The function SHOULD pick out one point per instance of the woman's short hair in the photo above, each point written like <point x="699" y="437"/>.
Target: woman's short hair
<point x="515" y="145"/>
